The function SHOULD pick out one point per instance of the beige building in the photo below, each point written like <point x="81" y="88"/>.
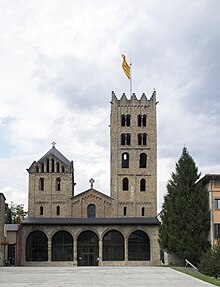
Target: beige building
<point x="92" y="228"/>
<point x="212" y="183"/>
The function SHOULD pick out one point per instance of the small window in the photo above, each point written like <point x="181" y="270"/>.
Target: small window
<point x="125" y="160"/>
<point x="144" y="120"/>
<point x="37" y="169"/>
<point x="123" y="120"/>
<point x="139" y="120"/>
<point x="128" y="120"/>
<point x="42" y="167"/>
<point x="41" y="184"/>
<point x="91" y="211"/>
<point x="143" y="160"/>
<point x="128" y="139"/>
<point x="122" y="139"/>
<point x="58" y="184"/>
<point x="142" y="184"/>
<point x="58" y="167"/>
<point x="41" y="210"/>
<point x="125" y="211"/>
<point x="58" y="210"/>
<point x="139" y="139"/>
<point x="217" y="204"/>
<point x="217" y="230"/>
<point x="48" y="165"/>
<point x="142" y="211"/>
<point x="217" y="184"/>
<point x="52" y="165"/>
<point x="144" y="139"/>
<point x="63" y="169"/>
<point x="125" y="184"/>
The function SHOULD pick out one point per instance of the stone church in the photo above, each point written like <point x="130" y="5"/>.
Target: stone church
<point x="92" y="228"/>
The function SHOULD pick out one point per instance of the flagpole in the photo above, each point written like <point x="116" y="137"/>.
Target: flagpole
<point x="130" y="80"/>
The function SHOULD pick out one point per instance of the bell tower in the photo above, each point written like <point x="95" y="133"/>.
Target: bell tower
<point x="133" y="136"/>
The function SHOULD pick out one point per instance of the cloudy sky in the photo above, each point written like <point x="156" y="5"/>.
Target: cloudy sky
<point x="60" y="60"/>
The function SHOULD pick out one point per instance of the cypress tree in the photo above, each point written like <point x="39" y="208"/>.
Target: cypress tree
<point x="185" y="213"/>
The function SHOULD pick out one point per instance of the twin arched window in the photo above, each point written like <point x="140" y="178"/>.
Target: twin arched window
<point x="142" y="139"/>
<point x="125" y="139"/>
<point x="142" y="120"/>
<point x="125" y="120"/>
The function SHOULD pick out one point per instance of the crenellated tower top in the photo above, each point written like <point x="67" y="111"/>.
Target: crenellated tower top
<point x="133" y="100"/>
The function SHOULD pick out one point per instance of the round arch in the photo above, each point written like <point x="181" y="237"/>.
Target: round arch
<point x="62" y="246"/>
<point x="113" y="246"/>
<point x="37" y="246"/>
<point x="87" y="248"/>
<point x="138" y="246"/>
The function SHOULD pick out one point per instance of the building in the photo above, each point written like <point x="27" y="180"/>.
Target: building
<point x="212" y="183"/>
<point x="92" y="228"/>
<point x="2" y="235"/>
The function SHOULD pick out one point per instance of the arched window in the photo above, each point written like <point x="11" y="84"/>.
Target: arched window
<point x="123" y="120"/>
<point x="138" y="246"/>
<point x="58" y="167"/>
<point x="37" y="246"/>
<point x="62" y="246"/>
<point x="143" y="160"/>
<point x="91" y="211"/>
<point x="139" y="120"/>
<point x="125" y="210"/>
<point x="122" y="139"/>
<point x="63" y="169"/>
<point x="41" y="184"/>
<point x="113" y="246"/>
<point x="139" y="139"/>
<point x="128" y="139"/>
<point x="128" y="120"/>
<point x="41" y="210"/>
<point x="125" y="160"/>
<point x="125" y="184"/>
<point x="48" y="165"/>
<point x="58" y="210"/>
<point x="58" y="184"/>
<point x="144" y="120"/>
<point x="143" y="184"/>
<point x="52" y="165"/>
<point x="142" y="211"/>
<point x="144" y="139"/>
<point x="42" y="167"/>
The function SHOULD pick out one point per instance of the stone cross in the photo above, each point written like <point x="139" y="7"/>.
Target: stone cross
<point x="91" y="181"/>
<point x="53" y="144"/>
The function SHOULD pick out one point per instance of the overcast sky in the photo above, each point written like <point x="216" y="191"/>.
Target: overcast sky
<point x="60" y="60"/>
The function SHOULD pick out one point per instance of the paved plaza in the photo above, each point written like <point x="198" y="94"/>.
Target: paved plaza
<point x="96" y="276"/>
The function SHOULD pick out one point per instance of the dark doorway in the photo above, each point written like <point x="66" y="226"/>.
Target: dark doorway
<point x="87" y="249"/>
<point x="11" y="254"/>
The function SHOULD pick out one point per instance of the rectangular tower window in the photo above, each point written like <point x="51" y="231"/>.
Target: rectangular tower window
<point x="125" y="211"/>
<point x="217" y="204"/>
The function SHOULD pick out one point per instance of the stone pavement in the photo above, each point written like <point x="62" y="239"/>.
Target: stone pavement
<point x="95" y="277"/>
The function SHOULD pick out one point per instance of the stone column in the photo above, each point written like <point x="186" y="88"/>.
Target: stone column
<point x="74" y="252"/>
<point x="126" y="250"/>
<point x="100" y="252"/>
<point x="49" y="251"/>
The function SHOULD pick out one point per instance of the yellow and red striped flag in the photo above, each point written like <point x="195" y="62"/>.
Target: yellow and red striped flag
<point x="126" y="67"/>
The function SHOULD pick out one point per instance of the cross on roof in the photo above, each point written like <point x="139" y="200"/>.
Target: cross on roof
<point x="91" y="181"/>
<point x="53" y="144"/>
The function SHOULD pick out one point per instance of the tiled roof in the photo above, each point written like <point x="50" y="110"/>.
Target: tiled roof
<point x="92" y="221"/>
<point x="53" y="151"/>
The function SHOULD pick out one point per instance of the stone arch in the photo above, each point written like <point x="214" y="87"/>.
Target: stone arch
<point x="37" y="246"/>
<point x="113" y="246"/>
<point x="62" y="246"/>
<point x="139" y="246"/>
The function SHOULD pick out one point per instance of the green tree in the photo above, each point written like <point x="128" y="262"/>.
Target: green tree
<point x="210" y="262"/>
<point x="13" y="211"/>
<point x="185" y="213"/>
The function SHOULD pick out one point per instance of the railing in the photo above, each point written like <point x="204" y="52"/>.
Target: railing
<point x="191" y="265"/>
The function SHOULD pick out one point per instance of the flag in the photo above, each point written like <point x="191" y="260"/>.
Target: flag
<point x="125" y="67"/>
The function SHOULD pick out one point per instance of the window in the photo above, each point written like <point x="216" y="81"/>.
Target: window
<point x="142" y="139"/>
<point x="142" y="211"/>
<point x="143" y="184"/>
<point x="125" y="211"/>
<point x="125" y="120"/>
<point x="37" y="246"/>
<point x="217" y="183"/>
<point x="113" y="246"/>
<point x="143" y="160"/>
<point x="42" y="167"/>
<point x="58" y="210"/>
<point x="41" y="184"/>
<point x="52" y="165"/>
<point x="138" y="246"/>
<point x="217" y="204"/>
<point x="217" y="230"/>
<point x="58" y="167"/>
<point x="125" y="160"/>
<point x="125" y="184"/>
<point x="142" y="120"/>
<point x="125" y="139"/>
<point x="48" y="165"/>
<point x="91" y="211"/>
<point x="37" y="169"/>
<point x="62" y="246"/>
<point x="41" y="210"/>
<point x="58" y="184"/>
<point x="63" y="169"/>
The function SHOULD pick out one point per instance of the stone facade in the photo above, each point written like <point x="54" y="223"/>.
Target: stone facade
<point x="2" y="222"/>
<point x="128" y="215"/>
